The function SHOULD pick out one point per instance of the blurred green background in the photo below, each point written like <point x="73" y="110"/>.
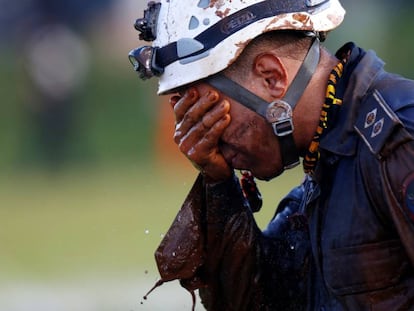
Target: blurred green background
<point x="90" y="179"/>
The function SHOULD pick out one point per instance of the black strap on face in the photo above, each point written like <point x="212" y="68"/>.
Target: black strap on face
<point x="231" y="24"/>
<point x="279" y="112"/>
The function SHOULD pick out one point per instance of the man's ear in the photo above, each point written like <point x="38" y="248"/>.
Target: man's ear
<point x="273" y="73"/>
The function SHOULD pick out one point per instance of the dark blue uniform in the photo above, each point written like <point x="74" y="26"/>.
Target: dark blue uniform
<point x="361" y="221"/>
<point x="343" y="240"/>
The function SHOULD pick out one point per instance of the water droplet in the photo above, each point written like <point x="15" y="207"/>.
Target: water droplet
<point x="146" y="231"/>
<point x="292" y="247"/>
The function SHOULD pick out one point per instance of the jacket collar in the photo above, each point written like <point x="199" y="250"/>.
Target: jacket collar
<point x="362" y="69"/>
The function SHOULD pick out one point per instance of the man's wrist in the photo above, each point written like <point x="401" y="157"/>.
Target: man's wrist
<point x="225" y="197"/>
<point x="214" y="181"/>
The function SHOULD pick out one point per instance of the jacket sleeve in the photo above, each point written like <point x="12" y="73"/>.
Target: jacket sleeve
<point x="398" y="179"/>
<point x="388" y="166"/>
<point x="219" y="249"/>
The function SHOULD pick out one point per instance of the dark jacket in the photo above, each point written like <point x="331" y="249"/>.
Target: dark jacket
<point x="361" y="228"/>
<point x="343" y="240"/>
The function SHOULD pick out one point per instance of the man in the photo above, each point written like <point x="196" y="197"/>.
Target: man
<point x="255" y="91"/>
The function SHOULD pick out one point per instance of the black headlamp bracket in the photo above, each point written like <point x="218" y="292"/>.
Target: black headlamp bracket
<point x="143" y="61"/>
<point x="147" y="26"/>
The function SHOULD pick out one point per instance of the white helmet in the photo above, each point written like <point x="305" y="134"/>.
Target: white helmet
<point x="193" y="39"/>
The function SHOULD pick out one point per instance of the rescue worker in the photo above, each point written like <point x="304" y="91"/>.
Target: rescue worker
<point x="253" y="89"/>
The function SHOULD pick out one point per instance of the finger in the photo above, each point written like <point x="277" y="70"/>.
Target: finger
<point x="203" y="105"/>
<point x="202" y="143"/>
<point x="214" y="115"/>
<point x="210" y="118"/>
<point x="212" y="137"/>
<point x="206" y="156"/>
<point x="183" y="105"/>
<point x="196" y="112"/>
<point x="216" y="168"/>
<point x="199" y="133"/>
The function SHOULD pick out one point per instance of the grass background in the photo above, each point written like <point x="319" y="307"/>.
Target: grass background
<point x="96" y="227"/>
<point x="91" y="222"/>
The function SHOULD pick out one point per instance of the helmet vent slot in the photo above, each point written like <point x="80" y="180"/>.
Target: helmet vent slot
<point x="194" y="23"/>
<point x="204" y="4"/>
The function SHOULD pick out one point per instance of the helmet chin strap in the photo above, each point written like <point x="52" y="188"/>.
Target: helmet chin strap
<point x="279" y="112"/>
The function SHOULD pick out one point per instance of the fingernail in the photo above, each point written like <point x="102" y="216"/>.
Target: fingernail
<point x="225" y="105"/>
<point x="212" y="96"/>
<point x="226" y="117"/>
<point x="192" y="93"/>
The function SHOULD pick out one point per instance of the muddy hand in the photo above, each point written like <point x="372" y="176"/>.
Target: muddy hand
<point x="200" y="122"/>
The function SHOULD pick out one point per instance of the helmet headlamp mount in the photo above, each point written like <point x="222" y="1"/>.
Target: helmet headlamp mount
<point x="143" y="61"/>
<point x="147" y="26"/>
<point x="172" y="53"/>
<point x="143" y="58"/>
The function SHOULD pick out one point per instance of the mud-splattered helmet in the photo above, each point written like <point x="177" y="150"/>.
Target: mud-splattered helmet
<point x="193" y="39"/>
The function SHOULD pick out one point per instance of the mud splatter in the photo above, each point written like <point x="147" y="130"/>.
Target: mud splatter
<point x="301" y="18"/>
<point x="222" y="14"/>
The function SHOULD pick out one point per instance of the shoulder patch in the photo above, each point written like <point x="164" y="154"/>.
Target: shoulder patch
<point x="408" y="196"/>
<point x="375" y="123"/>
